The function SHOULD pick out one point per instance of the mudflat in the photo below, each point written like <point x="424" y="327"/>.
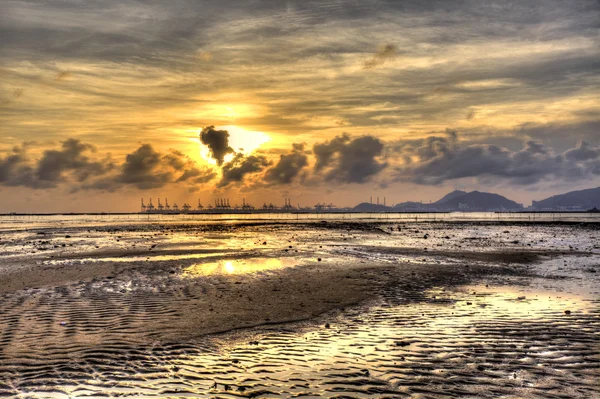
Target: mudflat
<point x="279" y="309"/>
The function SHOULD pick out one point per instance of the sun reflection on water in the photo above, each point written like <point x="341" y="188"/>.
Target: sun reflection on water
<point x="238" y="266"/>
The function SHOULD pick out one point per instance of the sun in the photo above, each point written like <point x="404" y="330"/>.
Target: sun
<point x="241" y="140"/>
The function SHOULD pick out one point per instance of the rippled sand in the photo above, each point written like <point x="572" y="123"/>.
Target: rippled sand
<point x="422" y="310"/>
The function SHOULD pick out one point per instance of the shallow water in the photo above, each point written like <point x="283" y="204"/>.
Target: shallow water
<point x="487" y="335"/>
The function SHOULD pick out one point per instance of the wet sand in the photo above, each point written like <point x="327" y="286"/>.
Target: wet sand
<point x="288" y="310"/>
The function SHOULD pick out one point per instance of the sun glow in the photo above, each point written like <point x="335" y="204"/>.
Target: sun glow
<point x="241" y="140"/>
<point x="229" y="268"/>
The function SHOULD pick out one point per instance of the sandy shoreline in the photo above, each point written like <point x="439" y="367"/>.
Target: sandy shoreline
<point x="122" y="291"/>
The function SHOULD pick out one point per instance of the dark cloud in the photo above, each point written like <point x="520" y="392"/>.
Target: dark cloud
<point x="240" y="166"/>
<point x="72" y="164"/>
<point x="348" y="160"/>
<point x="71" y="158"/>
<point x="217" y="141"/>
<point x="142" y="169"/>
<point x="147" y="168"/>
<point x="15" y="170"/>
<point x="582" y="152"/>
<point x="288" y="166"/>
<point x="384" y="54"/>
<point x="438" y="159"/>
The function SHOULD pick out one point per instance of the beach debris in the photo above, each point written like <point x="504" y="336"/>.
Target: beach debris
<point x="469" y="303"/>
<point x="403" y="343"/>
<point x="567" y="312"/>
<point x="175" y="369"/>
<point x="264" y="243"/>
<point x="226" y="387"/>
<point x="67" y="236"/>
<point x="214" y="385"/>
<point x="327" y="325"/>
<point x="318" y="259"/>
<point x="426" y="236"/>
<point x="63" y="323"/>
<point x="366" y="372"/>
<point x="520" y="298"/>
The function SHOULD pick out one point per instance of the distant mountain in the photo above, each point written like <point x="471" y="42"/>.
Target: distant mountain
<point x="449" y="196"/>
<point x="462" y="201"/>
<point x="574" y="200"/>
<point x="411" y="206"/>
<point x="367" y="207"/>
<point x="478" y="201"/>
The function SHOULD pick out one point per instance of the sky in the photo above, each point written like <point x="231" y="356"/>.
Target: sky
<point x="103" y="102"/>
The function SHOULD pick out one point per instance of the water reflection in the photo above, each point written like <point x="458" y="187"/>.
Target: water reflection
<point x="238" y="266"/>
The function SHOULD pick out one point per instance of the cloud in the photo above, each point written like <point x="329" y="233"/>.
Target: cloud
<point x="69" y="163"/>
<point x="15" y="169"/>
<point x="348" y="160"/>
<point x="63" y="75"/>
<point x="240" y="166"/>
<point x="71" y="158"/>
<point x="217" y="141"/>
<point x="142" y="169"/>
<point x="73" y="165"/>
<point x="288" y="166"/>
<point x="582" y="152"/>
<point x="147" y="168"/>
<point x="438" y="159"/>
<point x="381" y="57"/>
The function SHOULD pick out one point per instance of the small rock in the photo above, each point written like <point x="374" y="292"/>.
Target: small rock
<point x="567" y="312"/>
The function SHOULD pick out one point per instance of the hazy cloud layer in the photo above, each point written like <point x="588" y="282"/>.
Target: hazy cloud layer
<point x="309" y="69"/>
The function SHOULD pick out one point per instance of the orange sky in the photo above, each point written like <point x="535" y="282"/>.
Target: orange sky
<point x="103" y="102"/>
